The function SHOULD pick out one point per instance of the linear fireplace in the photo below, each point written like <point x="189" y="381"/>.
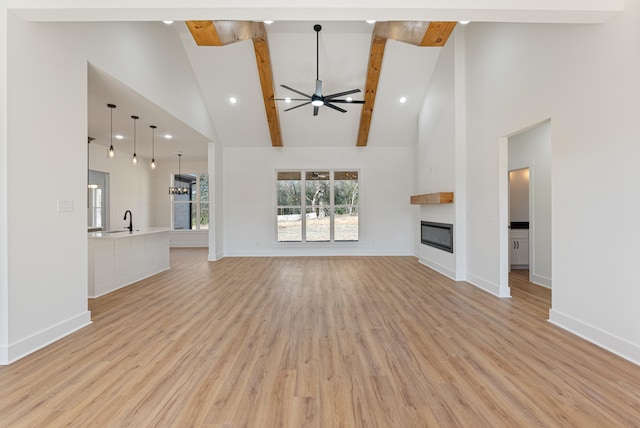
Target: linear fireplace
<point x="438" y="235"/>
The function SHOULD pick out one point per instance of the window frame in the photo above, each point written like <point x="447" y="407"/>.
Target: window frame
<point x="196" y="199"/>
<point x="304" y="207"/>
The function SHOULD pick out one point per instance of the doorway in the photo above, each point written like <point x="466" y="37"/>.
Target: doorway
<point x="525" y="195"/>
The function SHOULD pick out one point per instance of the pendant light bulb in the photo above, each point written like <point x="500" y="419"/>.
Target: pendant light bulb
<point x="134" y="159"/>
<point x="111" y="153"/>
<point x="153" y="146"/>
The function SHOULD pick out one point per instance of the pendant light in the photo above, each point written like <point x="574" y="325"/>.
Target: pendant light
<point x="134" y="159"/>
<point x="178" y="190"/>
<point x="111" y="153"/>
<point x="153" y="146"/>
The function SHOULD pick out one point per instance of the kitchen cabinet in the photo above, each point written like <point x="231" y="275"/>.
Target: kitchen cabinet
<point x="117" y="259"/>
<point x="519" y="248"/>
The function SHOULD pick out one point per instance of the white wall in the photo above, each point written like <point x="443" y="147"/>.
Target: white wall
<point x="518" y="75"/>
<point x="4" y="224"/>
<point x="129" y="187"/>
<point x="216" y="233"/>
<point x="386" y="182"/>
<point x="436" y="157"/>
<point x="47" y="143"/>
<point x="532" y="149"/>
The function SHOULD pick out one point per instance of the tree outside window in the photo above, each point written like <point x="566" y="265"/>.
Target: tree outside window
<point x="327" y="213"/>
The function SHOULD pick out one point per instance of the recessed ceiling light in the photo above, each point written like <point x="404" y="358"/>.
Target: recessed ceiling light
<point x="287" y="100"/>
<point x="233" y="100"/>
<point x="464" y="22"/>
<point x="168" y="136"/>
<point x="349" y="99"/>
<point x="168" y="22"/>
<point x="268" y="21"/>
<point x="371" y="21"/>
<point x="119" y="137"/>
<point x="403" y="100"/>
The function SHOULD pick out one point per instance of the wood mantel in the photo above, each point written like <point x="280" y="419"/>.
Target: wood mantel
<point x="432" y="198"/>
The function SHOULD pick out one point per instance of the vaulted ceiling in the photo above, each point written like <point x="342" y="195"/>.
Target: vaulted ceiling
<point x="253" y="60"/>
<point x="222" y="33"/>
<point x="347" y="45"/>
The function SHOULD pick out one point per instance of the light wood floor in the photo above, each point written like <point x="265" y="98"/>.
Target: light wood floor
<point x="320" y="342"/>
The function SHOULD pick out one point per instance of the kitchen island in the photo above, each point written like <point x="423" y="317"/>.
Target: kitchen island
<point x="119" y="258"/>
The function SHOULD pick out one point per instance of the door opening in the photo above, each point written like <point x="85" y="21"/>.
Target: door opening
<point x="525" y="194"/>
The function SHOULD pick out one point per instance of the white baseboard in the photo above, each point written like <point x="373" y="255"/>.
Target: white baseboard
<point x="621" y="347"/>
<point x="188" y="238"/>
<point x="214" y="257"/>
<point x="320" y="251"/>
<point x="131" y="280"/>
<point x="438" y="267"/>
<point x="541" y="280"/>
<point x="488" y="286"/>
<point x="31" y="344"/>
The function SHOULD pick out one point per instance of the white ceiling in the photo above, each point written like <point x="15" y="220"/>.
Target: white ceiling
<point x="103" y="89"/>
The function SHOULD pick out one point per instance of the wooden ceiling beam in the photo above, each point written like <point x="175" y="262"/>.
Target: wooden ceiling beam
<point x="411" y="32"/>
<point x="418" y="33"/>
<point x="376" y="54"/>
<point x="222" y="33"/>
<point x="204" y="33"/>
<point x="438" y="33"/>
<point x="263" y="60"/>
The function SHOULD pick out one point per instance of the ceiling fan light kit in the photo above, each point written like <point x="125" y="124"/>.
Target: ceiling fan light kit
<point x="318" y="100"/>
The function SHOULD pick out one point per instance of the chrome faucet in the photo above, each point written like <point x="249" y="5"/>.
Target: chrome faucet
<point x="130" y="220"/>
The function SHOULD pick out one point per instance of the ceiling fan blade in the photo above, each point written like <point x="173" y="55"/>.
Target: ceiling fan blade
<point x="341" y="110"/>
<point x="299" y="105"/>
<point x="315" y="110"/>
<point x="290" y="99"/>
<point x="296" y="91"/>
<point x="339" y="94"/>
<point x="318" y="91"/>
<point x="348" y="102"/>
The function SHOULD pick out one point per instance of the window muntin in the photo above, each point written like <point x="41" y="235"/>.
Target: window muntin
<point x="330" y="206"/>
<point x="191" y="210"/>
<point x="346" y="195"/>
<point x="289" y="210"/>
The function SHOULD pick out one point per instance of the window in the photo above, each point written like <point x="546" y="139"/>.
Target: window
<point x="98" y="200"/>
<point x="191" y="209"/>
<point x="328" y="212"/>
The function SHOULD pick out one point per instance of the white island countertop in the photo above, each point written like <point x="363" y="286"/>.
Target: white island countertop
<point x="119" y="258"/>
<point x="124" y="233"/>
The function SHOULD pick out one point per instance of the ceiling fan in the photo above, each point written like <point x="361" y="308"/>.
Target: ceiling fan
<point x="317" y="99"/>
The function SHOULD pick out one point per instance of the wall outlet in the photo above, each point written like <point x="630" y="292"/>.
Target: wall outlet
<point x="65" y="206"/>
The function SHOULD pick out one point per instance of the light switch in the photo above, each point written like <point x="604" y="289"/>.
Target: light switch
<point x="65" y="206"/>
